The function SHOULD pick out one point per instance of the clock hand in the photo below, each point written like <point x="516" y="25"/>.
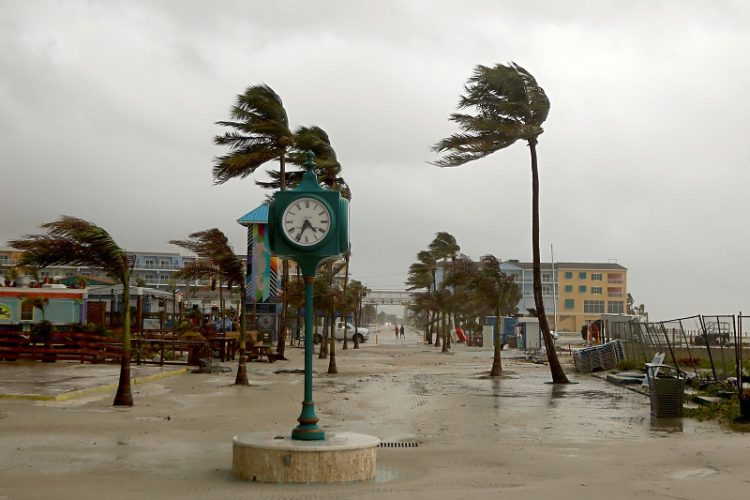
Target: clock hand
<point x="302" y="230"/>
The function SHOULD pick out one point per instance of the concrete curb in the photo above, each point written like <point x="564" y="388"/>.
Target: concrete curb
<point x="94" y="390"/>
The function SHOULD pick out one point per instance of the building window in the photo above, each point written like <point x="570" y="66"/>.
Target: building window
<point x="614" y="278"/>
<point x="582" y="275"/>
<point x="546" y="290"/>
<point x="582" y="288"/>
<point x="163" y="279"/>
<point x="148" y="263"/>
<point x="593" y="306"/>
<point x="4" y="260"/>
<point x="596" y="276"/>
<point x="149" y="278"/>
<point x="615" y="291"/>
<point x="568" y="288"/>
<point x="164" y="264"/>
<point x="568" y="275"/>
<point x="596" y="290"/>
<point x="546" y="277"/>
<point x="27" y="311"/>
<point x="570" y="303"/>
<point x="615" y="307"/>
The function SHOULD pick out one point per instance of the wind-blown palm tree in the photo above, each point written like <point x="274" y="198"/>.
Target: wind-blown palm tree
<point x="422" y="275"/>
<point x="220" y="262"/>
<point x="74" y="241"/>
<point x="496" y="291"/>
<point x="509" y="106"/>
<point x="260" y="134"/>
<point x="444" y="247"/>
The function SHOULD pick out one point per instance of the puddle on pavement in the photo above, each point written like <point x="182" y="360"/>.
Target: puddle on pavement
<point x="384" y="475"/>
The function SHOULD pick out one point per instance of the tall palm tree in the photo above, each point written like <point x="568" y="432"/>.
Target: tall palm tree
<point x="259" y="133"/>
<point x="220" y="262"/>
<point x="509" y="106"/>
<point x="496" y="291"/>
<point x="444" y="247"/>
<point x="356" y="290"/>
<point x="74" y="241"/>
<point x="327" y="169"/>
<point x="422" y="275"/>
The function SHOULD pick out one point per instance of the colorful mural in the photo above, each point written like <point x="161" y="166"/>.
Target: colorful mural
<point x="263" y="275"/>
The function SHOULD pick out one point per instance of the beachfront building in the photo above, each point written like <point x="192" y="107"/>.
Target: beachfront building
<point x="574" y="293"/>
<point x="154" y="270"/>
<point x="588" y="290"/>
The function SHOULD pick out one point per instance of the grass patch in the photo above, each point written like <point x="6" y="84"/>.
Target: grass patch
<point x="725" y="412"/>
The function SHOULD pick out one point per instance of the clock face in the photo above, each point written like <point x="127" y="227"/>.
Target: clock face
<point x="306" y="221"/>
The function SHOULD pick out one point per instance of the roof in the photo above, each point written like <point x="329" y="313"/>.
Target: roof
<point x="101" y="291"/>
<point x="258" y="215"/>
<point x="570" y="265"/>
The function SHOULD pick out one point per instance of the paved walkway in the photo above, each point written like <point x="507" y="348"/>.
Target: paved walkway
<point x="65" y="380"/>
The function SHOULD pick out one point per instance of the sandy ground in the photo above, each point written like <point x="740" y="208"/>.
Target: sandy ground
<point x="515" y="437"/>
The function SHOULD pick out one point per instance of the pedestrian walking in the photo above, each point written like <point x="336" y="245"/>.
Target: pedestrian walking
<point x="401" y="330"/>
<point x="396" y="326"/>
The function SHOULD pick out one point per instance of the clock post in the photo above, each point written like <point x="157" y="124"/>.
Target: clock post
<point x="308" y="224"/>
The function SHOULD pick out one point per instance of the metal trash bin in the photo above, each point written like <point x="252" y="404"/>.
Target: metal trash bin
<point x="667" y="392"/>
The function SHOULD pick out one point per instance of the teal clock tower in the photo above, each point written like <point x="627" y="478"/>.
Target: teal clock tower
<point x="308" y="224"/>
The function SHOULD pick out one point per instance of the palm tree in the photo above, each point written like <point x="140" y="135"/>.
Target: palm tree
<point x="493" y="289"/>
<point x="260" y="133"/>
<point x="327" y="169"/>
<point x="422" y="274"/>
<point x="219" y="262"/>
<point x="445" y="247"/>
<point x="74" y="241"/>
<point x="509" y="106"/>
<point x="356" y="290"/>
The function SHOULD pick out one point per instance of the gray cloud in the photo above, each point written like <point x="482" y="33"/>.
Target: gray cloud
<point x="107" y="112"/>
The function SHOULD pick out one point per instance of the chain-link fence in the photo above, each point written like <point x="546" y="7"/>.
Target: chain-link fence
<point x="706" y="347"/>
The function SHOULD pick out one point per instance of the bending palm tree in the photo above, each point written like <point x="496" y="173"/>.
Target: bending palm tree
<point x="220" y="262"/>
<point x="260" y="134"/>
<point x="510" y="106"/>
<point x="75" y="241"/>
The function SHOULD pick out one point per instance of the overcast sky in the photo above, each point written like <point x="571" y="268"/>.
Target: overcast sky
<point x="107" y="112"/>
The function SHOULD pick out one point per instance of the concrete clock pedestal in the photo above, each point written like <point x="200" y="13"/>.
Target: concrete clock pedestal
<point x="340" y="457"/>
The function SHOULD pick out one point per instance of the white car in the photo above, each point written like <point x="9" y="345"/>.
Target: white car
<point x="363" y="333"/>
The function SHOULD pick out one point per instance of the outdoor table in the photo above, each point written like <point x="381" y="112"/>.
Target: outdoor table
<point x="227" y="346"/>
<point x="161" y="344"/>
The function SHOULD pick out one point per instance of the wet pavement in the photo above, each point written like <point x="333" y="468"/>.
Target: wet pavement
<point x="517" y="436"/>
<point x="37" y="380"/>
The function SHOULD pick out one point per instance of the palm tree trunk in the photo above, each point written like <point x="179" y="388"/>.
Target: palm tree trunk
<point x="124" y="394"/>
<point x="497" y="365"/>
<point x="343" y="301"/>
<point x="558" y="375"/>
<point x="241" y="378"/>
<point x="444" y="328"/>
<point x="332" y="355"/>
<point x="281" y="344"/>
<point x="324" y="337"/>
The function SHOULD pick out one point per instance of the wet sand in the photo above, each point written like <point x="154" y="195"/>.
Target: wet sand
<point x="515" y="437"/>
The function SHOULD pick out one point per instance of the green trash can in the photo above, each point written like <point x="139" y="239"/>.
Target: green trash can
<point x="666" y="388"/>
